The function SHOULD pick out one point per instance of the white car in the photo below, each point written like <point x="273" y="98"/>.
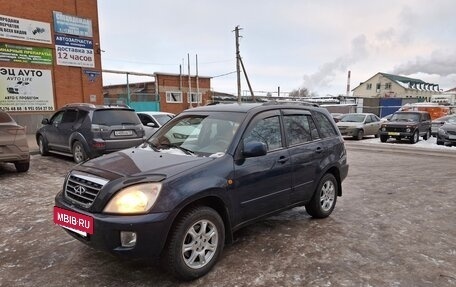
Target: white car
<point x="358" y="125"/>
<point x="152" y="120"/>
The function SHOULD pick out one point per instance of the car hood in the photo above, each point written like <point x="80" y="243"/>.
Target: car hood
<point x="448" y="127"/>
<point x="348" y="124"/>
<point x="400" y="124"/>
<point x="142" y="161"/>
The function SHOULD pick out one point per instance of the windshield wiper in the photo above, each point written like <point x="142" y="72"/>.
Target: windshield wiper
<point x="185" y="150"/>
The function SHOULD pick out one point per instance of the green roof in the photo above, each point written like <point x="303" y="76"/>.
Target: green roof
<point x="402" y="79"/>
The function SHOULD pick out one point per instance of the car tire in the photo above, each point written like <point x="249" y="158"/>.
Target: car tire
<point x="79" y="154"/>
<point x="42" y="146"/>
<point x="324" y="199"/>
<point x="383" y="138"/>
<point x="376" y="135"/>
<point x="427" y="135"/>
<point x="415" y="137"/>
<point x="440" y="142"/>
<point x="188" y="257"/>
<point x="359" y="135"/>
<point x="22" y="166"/>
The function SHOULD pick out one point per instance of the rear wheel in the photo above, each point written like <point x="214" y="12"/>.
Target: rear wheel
<point x="383" y="138"/>
<point x="324" y="199"/>
<point x="79" y="154"/>
<point x="195" y="243"/>
<point x="415" y="137"/>
<point x="22" y="166"/>
<point x="439" y="142"/>
<point x="427" y="135"/>
<point x="359" y="135"/>
<point x="42" y="145"/>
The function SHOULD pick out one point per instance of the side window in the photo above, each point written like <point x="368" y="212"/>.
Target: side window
<point x="57" y="118"/>
<point x="70" y="116"/>
<point x="267" y="131"/>
<point x="297" y="129"/>
<point x="145" y="119"/>
<point x="325" y="126"/>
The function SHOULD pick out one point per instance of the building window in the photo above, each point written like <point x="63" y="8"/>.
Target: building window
<point x="377" y="89"/>
<point x="194" y="98"/>
<point x="369" y="86"/>
<point x="174" y="97"/>
<point x="388" y="86"/>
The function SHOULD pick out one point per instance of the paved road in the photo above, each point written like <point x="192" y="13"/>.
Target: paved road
<point x="394" y="226"/>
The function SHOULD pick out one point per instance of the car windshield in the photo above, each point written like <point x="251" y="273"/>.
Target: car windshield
<point x="352" y="118"/>
<point x="405" y="117"/>
<point x="197" y="135"/>
<point x="114" y="117"/>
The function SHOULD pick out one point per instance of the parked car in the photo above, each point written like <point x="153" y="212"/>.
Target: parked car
<point x="152" y="120"/>
<point x="447" y="132"/>
<point x="13" y="143"/>
<point x="358" y="125"/>
<point x="437" y="123"/>
<point x="86" y="131"/>
<point x="337" y="116"/>
<point x="181" y="198"/>
<point x="410" y="125"/>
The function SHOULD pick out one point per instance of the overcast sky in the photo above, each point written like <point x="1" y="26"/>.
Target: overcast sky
<point x="291" y="44"/>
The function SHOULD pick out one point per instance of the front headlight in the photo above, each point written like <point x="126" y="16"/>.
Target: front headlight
<point x="134" y="199"/>
<point x="442" y="131"/>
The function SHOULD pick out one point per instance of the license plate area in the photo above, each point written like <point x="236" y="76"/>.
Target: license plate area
<point x="123" y="133"/>
<point x="393" y="133"/>
<point x="76" y="222"/>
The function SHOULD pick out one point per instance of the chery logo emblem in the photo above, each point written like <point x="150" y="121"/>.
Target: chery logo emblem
<point x="79" y="189"/>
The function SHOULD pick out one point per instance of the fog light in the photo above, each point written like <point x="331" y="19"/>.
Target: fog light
<point x="128" y="238"/>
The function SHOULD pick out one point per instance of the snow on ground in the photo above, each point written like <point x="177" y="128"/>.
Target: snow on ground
<point x="427" y="144"/>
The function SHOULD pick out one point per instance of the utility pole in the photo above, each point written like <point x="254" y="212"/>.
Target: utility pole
<point x="238" y="63"/>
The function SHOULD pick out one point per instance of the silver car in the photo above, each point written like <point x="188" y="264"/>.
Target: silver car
<point x="153" y="120"/>
<point x="13" y="143"/>
<point x="358" y="125"/>
<point x="437" y="123"/>
<point x="447" y="133"/>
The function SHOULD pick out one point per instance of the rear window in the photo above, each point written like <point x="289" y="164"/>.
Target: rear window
<point x="5" y="118"/>
<point x="114" y="117"/>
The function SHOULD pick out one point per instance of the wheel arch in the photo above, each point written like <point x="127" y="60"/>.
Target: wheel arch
<point x="336" y="173"/>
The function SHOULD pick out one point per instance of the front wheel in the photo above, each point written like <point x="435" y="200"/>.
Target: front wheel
<point x="415" y="137"/>
<point x="22" y="166"/>
<point x="79" y="154"/>
<point x="195" y="243"/>
<point x="383" y="138"/>
<point x="324" y="199"/>
<point x="42" y="145"/>
<point x="359" y="135"/>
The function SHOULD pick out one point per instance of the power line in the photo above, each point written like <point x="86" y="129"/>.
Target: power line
<point x="224" y="74"/>
<point x="161" y="64"/>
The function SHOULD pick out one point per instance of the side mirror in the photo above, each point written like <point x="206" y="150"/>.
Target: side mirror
<point x="254" y="149"/>
<point x="45" y="122"/>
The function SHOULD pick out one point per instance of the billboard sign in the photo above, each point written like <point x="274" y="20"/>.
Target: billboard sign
<point x="25" y="30"/>
<point x="68" y="24"/>
<point x="22" y="54"/>
<point x="25" y="90"/>
<point x="74" y="51"/>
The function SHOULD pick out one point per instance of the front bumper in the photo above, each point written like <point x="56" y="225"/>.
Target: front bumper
<point x="397" y="134"/>
<point x="446" y="138"/>
<point x="151" y="231"/>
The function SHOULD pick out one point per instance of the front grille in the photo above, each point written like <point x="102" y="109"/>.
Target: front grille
<point x="395" y="129"/>
<point x="82" y="188"/>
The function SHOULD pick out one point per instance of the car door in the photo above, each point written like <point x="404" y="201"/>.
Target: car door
<point x="62" y="130"/>
<point x="306" y="152"/>
<point x="372" y="125"/>
<point x="263" y="183"/>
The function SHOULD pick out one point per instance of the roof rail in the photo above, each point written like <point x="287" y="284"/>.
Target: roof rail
<point x="80" y="105"/>
<point x="278" y="102"/>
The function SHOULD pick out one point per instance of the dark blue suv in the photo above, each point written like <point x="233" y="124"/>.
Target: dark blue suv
<point x="208" y="172"/>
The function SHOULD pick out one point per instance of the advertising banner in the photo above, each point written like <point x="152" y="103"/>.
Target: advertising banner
<point x="22" y="54"/>
<point x="24" y="90"/>
<point x="25" y="30"/>
<point x="68" y="24"/>
<point x="73" y="51"/>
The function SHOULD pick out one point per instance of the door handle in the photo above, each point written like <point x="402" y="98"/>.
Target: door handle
<point x="318" y="150"/>
<point x="282" y="159"/>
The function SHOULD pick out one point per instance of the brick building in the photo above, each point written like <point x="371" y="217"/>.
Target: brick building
<point x="50" y="56"/>
<point x="168" y="93"/>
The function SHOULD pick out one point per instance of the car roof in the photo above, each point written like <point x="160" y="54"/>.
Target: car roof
<point x="152" y="113"/>
<point x="88" y="107"/>
<point x="246" y="107"/>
